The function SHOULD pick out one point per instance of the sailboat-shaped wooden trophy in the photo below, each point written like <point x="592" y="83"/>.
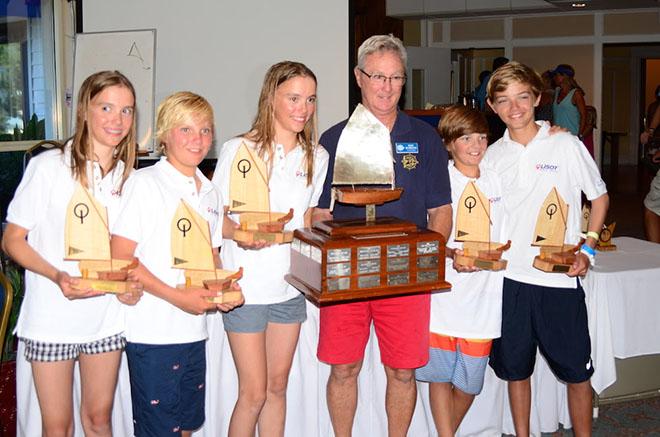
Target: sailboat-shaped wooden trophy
<point x="473" y="229"/>
<point x="192" y="251"/>
<point x="249" y="196"/>
<point x="342" y="260"/>
<point x="87" y="240"/>
<point x="605" y="241"/>
<point x="555" y="256"/>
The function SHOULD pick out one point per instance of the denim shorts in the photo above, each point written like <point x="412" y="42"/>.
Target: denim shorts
<point x="255" y="318"/>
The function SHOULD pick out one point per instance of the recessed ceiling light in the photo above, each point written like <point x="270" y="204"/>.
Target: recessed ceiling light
<point x="578" y="5"/>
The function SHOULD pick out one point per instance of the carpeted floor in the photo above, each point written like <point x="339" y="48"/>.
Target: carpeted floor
<point x="624" y="419"/>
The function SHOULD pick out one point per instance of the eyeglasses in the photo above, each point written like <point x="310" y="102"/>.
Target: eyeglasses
<point x="395" y="81"/>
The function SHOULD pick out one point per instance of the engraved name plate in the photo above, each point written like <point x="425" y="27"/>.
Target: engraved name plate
<point x="397" y="264"/>
<point x="368" y="252"/>
<point x="336" y="284"/>
<point x="339" y="255"/>
<point x="427" y="262"/>
<point x="426" y="247"/>
<point x="305" y="249"/>
<point x="339" y="269"/>
<point x="369" y="281"/>
<point x="368" y="266"/>
<point x="317" y="254"/>
<point x="427" y="276"/>
<point x="397" y="250"/>
<point x="397" y="279"/>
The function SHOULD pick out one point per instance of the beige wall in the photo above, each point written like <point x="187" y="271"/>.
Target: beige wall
<point x="541" y="27"/>
<point x="546" y="58"/>
<point x="652" y="80"/>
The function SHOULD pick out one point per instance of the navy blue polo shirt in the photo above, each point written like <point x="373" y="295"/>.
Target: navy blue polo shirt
<point x="420" y="168"/>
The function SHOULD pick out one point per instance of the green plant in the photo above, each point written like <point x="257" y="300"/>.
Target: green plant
<point x="15" y="276"/>
<point x="35" y="129"/>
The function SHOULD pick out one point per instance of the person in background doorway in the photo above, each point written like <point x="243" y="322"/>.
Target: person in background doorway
<point x="569" y="109"/>
<point x="544" y="109"/>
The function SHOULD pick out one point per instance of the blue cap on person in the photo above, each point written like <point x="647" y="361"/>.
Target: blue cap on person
<point x="564" y="69"/>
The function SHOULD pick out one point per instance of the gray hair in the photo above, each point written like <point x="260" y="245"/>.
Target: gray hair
<point x="381" y="43"/>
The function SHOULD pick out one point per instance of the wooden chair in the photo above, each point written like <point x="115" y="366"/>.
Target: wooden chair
<point x="41" y="146"/>
<point x="6" y="298"/>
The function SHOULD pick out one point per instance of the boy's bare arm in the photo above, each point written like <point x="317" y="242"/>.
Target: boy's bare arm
<point x="440" y="219"/>
<point x="599" y="207"/>
<point x="192" y="300"/>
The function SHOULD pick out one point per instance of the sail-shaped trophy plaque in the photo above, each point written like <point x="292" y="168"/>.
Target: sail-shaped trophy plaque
<point x="555" y="256"/>
<point x="344" y="260"/>
<point x="87" y="240"/>
<point x="473" y="229"/>
<point x="192" y="252"/>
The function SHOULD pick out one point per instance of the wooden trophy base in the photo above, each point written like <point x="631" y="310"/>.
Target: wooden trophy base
<point x="105" y="285"/>
<point x="549" y="266"/>
<point x="606" y="247"/>
<point x="219" y="281"/>
<point x="271" y="237"/>
<point x="481" y="263"/>
<point x="346" y="260"/>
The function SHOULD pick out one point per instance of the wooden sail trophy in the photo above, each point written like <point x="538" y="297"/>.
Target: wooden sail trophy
<point x="473" y="229"/>
<point x="87" y="240"/>
<point x="605" y="241"/>
<point x="350" y="259"/>
<point x="369" y="166"/>
<point x="555" y="256"/>
<point x="192" y="252"/>
<point x="249" y="196"/>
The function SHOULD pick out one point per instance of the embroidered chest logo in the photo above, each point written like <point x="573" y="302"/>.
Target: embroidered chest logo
<point x="542" y="167"/>
<point x="409" y="161"/>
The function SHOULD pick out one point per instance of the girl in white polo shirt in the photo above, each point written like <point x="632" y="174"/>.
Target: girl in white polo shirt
<point x="264" y="332"/>
<point x="60" y="323"/>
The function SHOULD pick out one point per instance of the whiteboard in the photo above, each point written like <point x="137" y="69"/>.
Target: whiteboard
<point x="133" y="54"/>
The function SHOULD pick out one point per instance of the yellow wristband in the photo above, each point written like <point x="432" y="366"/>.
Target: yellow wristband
<point x="594" y="235"/>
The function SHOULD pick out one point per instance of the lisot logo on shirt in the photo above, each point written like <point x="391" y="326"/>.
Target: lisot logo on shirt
<point x="301" y="174"/>
<point x="212" y="211"/>
<point x="495" y="199"/>
<point x="115" y="193"/>
<point x="553" y="168"/>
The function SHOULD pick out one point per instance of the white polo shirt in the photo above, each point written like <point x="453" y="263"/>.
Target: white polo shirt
<point x="149" y="202"/>
<point x="528" y="173"/>
<point x="473" y="307"/>
<point x="263" y="275"/>
<point x="39" y="205"/>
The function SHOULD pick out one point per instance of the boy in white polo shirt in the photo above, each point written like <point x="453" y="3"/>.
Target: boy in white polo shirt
<point x="166" y="334"/>
<point x="464" y="321"/>
<point x="542" y="309"/>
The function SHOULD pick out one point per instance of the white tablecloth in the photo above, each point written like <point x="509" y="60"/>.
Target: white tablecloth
<point x="622" y="300"/>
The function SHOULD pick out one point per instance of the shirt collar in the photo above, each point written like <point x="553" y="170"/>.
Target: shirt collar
<point x="542" y="133"/>
<point x="180" y="179"/>
<point x="401" y="124"/>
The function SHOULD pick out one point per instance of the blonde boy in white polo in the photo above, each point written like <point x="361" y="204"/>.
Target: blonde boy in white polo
<point x="539" y="309"/>
<point x="166" y="334"/>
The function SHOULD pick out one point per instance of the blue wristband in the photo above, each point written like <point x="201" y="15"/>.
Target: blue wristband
<point x="588" y="250"/>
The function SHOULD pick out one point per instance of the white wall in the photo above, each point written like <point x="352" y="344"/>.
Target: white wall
<point x="221" y="49"/>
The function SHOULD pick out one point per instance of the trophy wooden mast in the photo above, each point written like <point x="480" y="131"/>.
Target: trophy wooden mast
<point x="87" y="240"/>
<point x="555" y="256"/>
<point x="249" y="196"/>
<point x="473" y="225"/>
<point x="192" y="252"/>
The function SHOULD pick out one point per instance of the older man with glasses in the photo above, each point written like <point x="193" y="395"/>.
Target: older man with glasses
<point x="401" y="323"/>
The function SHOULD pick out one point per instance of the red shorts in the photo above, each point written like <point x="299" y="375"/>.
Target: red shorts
<point x="402" y="328"/>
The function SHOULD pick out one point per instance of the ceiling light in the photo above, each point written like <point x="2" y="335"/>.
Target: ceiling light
<point x="578" y="5"/>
